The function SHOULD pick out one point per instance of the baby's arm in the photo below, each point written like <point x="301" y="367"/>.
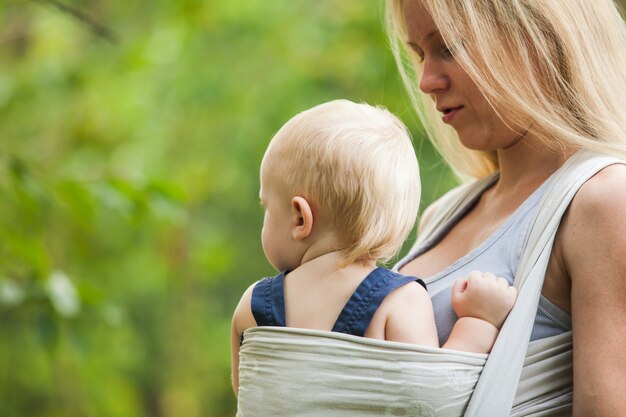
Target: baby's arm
<point x="242" y="320"/>
<point x="406" y="315"/>
<point x="482" y="302"/>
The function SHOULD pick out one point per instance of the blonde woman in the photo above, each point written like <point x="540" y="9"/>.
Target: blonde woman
<point x="509" y="90"/>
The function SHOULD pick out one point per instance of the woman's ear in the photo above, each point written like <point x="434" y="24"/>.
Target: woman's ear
<point x="303" y="224"/>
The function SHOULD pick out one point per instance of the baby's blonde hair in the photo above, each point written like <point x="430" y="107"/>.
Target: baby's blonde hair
<point x="556" y="67"/>
<point x="357" y="165"/>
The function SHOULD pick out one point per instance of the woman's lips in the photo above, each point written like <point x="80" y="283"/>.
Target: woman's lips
<point x="449" y="114"/>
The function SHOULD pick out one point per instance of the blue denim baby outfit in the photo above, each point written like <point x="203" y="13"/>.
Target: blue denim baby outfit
<point x="268" y="300"/>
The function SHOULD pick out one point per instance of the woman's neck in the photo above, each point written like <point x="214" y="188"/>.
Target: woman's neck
<point x="526" y="165"/>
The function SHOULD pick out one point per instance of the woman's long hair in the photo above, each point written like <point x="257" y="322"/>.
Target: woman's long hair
<point x="554" y="67"/>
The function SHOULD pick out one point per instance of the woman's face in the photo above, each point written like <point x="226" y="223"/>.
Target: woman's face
<point x="456" y="96"/>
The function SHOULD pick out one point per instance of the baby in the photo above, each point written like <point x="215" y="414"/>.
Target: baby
<point x="340" y="188"/>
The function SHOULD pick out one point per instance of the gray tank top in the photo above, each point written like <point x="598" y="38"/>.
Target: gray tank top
<point x="498" y="254"/>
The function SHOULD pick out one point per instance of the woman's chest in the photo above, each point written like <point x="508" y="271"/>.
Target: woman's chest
<point x="465" y="237"/>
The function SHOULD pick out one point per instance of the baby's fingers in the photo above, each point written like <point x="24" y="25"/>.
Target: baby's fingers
<point x="511" y="294"/>
<point x="458" y="292"/>
<point x="459" y="285"/>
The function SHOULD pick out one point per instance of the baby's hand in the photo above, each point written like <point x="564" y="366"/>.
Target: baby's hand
<point x="483" y="296"/>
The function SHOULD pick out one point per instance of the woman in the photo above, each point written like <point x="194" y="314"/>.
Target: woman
<point x="518" y="87"/>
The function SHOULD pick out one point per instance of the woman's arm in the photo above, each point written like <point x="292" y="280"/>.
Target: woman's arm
<point x="593" y="251"/>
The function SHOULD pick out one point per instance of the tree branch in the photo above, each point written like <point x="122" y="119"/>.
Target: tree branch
<point x="95" y="27"/>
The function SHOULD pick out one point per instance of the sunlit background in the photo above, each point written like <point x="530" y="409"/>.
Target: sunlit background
<point x="131" y="136"/>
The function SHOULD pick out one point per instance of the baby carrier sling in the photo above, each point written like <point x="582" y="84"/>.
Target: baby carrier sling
<point x="297" y="372"/>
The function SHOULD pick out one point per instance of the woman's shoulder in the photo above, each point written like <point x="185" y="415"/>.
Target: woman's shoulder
<point x="596" y="218"/>
<point x="603" y="196"/>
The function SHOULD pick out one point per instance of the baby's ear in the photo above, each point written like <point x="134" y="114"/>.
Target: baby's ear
<point x="303" y="221"/>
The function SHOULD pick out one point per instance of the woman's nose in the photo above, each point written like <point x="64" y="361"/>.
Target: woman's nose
<point x="433" y="78"/>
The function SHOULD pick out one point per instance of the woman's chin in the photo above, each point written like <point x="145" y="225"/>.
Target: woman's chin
<point x="475" y="144"/>
<point x="483" y="143"/>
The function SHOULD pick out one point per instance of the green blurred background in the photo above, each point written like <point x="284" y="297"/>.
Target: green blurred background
<point x="132" y="134"/>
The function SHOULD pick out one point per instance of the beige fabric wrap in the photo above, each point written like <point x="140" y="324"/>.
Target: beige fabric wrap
<point x="295" y="372"/>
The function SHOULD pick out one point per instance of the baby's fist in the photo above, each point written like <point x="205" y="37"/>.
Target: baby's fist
<point x="483" y="296"/>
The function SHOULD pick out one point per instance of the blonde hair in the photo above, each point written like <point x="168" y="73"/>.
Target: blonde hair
<point x="356" y="163"/>
<point x="556" y="66"/>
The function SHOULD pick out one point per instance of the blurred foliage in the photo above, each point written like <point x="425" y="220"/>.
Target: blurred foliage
<point x="132" y="134"/>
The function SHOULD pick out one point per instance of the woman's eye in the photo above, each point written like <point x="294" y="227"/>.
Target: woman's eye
<point x="446" y="53"/>
<point x="418" y="51"/>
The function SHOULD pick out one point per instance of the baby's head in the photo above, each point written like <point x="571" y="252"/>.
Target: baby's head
<point x="350" y="173"/>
